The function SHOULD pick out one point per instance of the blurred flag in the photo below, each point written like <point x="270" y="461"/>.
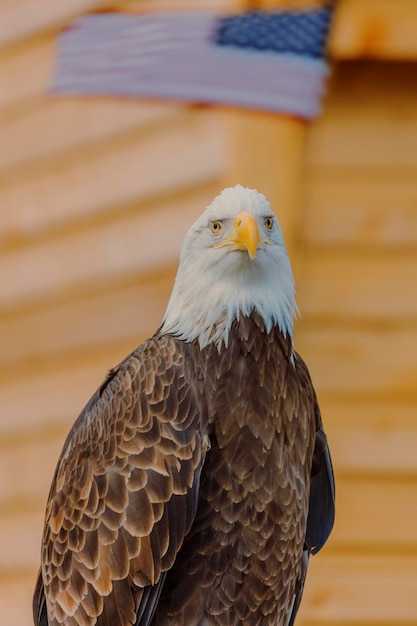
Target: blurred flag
<point x="268" y="61"/>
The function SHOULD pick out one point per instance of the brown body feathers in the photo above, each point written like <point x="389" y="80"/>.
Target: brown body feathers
<point x="182" y="495"/>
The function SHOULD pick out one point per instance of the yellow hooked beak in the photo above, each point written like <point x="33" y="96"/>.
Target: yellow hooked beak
<point x="247" y="235"/>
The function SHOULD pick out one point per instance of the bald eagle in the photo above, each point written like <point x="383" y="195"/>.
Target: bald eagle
<point x="197" y="480"/>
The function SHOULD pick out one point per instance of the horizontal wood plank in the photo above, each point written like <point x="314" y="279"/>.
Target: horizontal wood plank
<point x="48" y="399"/>
<point x="86" y="185"/>
<point x="134" y="245"/>
<point x="111" y="316"/>
<point x="26" y="474"/>
<point x="364" y="361"/>
<point x="25" y="74"/>
<point x="380" y="286"/>
<point x="364" y="140"/>
<point x="378" y="514"/>
<point x="359" y="590"/>
<point x="371" y="438"/>
<point x="367" y="208"/>
<point x="18" y="21"/>
<point x="62" y="124"/>
<point x="16" y="597"/>
<point x="20" y="538"/>
<point x="365" y="124"/>
<point x="379" y="29"/>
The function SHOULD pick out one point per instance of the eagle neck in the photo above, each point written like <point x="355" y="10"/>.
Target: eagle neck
<point x="250" y="334"/>
<point x="215" y="323"/>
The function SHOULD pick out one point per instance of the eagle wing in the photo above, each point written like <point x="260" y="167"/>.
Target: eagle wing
<point x="321" y="510"/>
<point x="124" y="494"/>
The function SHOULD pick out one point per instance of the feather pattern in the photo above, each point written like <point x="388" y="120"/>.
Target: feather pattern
<point x="123" y="495"/>
<point x="197" y="481"/>
<point x="243" y="555"/>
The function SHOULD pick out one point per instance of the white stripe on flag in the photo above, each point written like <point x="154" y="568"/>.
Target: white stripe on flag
<point x="173" y="56"/>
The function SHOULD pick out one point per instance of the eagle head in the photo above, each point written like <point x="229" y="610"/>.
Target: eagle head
<point x="233" y="261"/>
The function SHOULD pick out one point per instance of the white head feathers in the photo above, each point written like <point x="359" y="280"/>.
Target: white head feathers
<point x="228" y="269"/>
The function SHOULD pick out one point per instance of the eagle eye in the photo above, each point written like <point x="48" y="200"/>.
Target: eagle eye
<point x="269" y="222"/>
<point x="215" y="227"/>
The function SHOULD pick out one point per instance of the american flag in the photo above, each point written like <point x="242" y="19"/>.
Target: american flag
<point x="267" y="61"/>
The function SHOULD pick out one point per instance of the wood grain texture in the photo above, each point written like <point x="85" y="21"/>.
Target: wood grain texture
<point x="356" y="226"/>
<point x="56" y="125"/>
<point x="361" y="590"/>
<point x="133" y="245"/>
<point x="18" y="87"/>
<point x="370" y="130"/>
<point x="380" y="29"/>
<point x="360" y="285"/>
<point x="67" y="326"/>
<point x="373" y="437"/>
<point x="19" y="22"/>
<point x="354" y="360"/>
<point x="102" y="178"/>
<point x="361" y="210"/>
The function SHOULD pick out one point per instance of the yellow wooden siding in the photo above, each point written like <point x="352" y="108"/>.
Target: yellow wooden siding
<point x="382" y="29"/>
<point x="357" y="269"/>
<point x="95" y="197"/>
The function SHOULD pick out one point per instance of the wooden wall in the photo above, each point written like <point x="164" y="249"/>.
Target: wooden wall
<point x="357" y="284"/>
<point x="95" y="197"/>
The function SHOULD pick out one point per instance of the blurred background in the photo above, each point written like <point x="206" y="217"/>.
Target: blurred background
<point x="96" y="195"/>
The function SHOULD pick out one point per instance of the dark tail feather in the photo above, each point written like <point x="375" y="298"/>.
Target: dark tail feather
<point x="322" y="495"/>
<point x="40" y="616"/>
